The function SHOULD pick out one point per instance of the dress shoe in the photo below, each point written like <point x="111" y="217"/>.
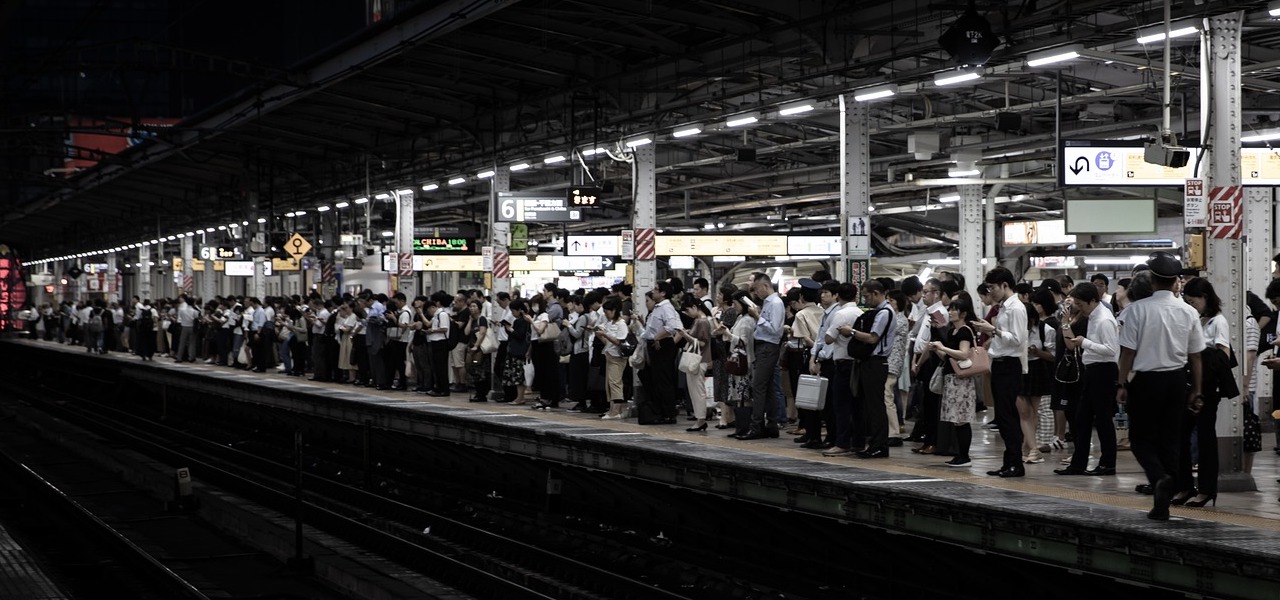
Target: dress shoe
<point x="1100" y="470"/>
<point x="814" y="445"/>
<point x="1182" y="497"/>
<point x="754" y="434"/>
<point x="1144" y="488"/>
<point x="877" y="453"/>
<point x="1203" y="499"/>
<point x="702" y="427"/>
<point x="804" y="439"/>
<point x="895" y="442"/>
<point x="1071" y="471"/>
<point x="1163" y="495"/>
<point x="837" y="451"/>
<point x="924" y="450"/>
<point x="723" y="426"/>
<point x="958" y="461"/>
<point x="772" y="432"/>
<point x="913" y="438"/>
<point x="1008" y="472"/>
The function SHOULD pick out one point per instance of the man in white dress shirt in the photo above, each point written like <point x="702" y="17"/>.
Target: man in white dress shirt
<point x="1008" y="352"/>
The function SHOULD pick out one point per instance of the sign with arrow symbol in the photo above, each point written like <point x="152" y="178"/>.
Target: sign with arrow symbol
<point x="1081" y="164"/>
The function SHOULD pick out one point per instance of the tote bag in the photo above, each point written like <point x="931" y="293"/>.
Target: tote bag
<point x="978" y="363"/>
<point x="691" y="359"/>
<point x="550" y="334"/>
<point x="1068" y="371"/>
<point x="489" y="344"/>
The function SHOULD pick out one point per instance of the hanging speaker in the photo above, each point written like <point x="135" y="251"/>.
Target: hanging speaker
<point x="746" y="155"/>
<point x="1008" y="122"/>
<point x="74" y="272"/>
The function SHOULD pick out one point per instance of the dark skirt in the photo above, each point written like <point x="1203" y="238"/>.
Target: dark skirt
<point x="1038" y="381"/>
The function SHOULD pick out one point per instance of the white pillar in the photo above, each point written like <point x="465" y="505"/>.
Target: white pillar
<point x="208" y="279"/>
<point x="1258" y="251"/>
<point x="971" y="224"/>
<point x="404" y="239"/>
<point x="645" y="214"/>
<point x="499" y="233"/>
<point x="144" y="273"/>
<point x="855" y="186"/>
<point x="1220" y="96"/>
<point x="188" y="266"/>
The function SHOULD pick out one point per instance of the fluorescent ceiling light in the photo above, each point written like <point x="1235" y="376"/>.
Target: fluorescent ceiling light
<point x="388" y="233"/>
<point x="208" y="230"/>
<point x="1273" y="9"/>
<point x="954" y="77"/>
<point x="224" y="227"/>
<point x="741" y="120"/>
<point x="686" y="132"/>
<point x="342" y="205"/>
<point x="1115" y="260"/>
<point x="521" y="166"/>
<point x="1156" y="34"/>
<point x="551" y="160"/>
<point x="430" y="187"/>
<point x="361" y="200"/>
<point x="383" y="196"/>
<point x="1054" y="55"/>
<point x="262" y="219"/>
<point x="457" y="180"/>
<point x="964" y="173"/>
<point x="943" y="262"/>
<point x="182" y="235"/>
<point x="592" y="151"/>
<point x="300" y="213"/>
<point x="949" y="198"/>
<point x="1262" y="136"/>
<point x="795" y="109"/>
<point x="485" y="174"/>
<point x="324" y="208"/>
<point x="404" y="192"/>
<point x="875" y="93"/>
<point x="639" y="142"/>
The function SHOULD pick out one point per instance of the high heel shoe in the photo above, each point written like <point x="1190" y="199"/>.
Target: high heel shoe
<point x="702" y="427"/>
<point x="1207" y="499"/>
<point x="1183" y="497"/>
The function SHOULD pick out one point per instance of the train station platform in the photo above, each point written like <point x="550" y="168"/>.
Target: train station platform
<point x="1095" y="525"/>
<point x="21" y="576"/>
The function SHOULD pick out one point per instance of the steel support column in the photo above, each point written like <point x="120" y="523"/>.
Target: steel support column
<point x="110" y="292"/>
<point x="644" y="213"/>
<point x="1259" y="248"/>
<point x="855" y="181"/>
<point x="209" y="278"/>
<point x="144" y="272"/>
<point x="404" y="239"/>
<point x="499" y="233"/>
<point x="188" y="264"/>
<point x="971" y="224"/>
<point x="1220" y="96"/>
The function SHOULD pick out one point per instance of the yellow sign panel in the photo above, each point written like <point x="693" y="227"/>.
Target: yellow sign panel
<point x="285" y="264"/>
<point x="449" y="263"/>
<point x="196" y="264"/>
<point x="297" y="246"/>
<point x="713" y="245"/>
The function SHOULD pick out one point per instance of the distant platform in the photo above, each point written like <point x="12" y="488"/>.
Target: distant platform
<point x="1089" y="524"/>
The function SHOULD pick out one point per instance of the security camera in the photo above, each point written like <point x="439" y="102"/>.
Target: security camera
<point x="1166" y="152"/>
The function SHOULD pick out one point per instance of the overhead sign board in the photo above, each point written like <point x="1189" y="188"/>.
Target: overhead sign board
<point x="238" y="268"/>
<point x="710" y="245"/>
<point x="1120" y="163"/>
<point x="593" y="245"/>
<point x="1037" y="233"/>
<point x="444" y="245"/>
<point x="813" y="245"/>
<point x="535" y="207"/>
<point x="584" y="196"/>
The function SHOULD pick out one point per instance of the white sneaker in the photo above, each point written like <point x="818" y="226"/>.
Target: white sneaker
<point x="208" y="361"/>
<point x="610" y="417"/>
<point x="1033" y="458"/>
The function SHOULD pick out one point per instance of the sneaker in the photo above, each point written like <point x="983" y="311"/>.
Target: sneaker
<point x="1058" y="444"/>
<point x="208" y="361"/>
<point x="991" y="425"/>
<point x="1066" y="461"/>
<point x="1033" y="459"/>
<point x="610" y="417"/>
<point x="837" y="451"/>
<point x="958" y="462"/>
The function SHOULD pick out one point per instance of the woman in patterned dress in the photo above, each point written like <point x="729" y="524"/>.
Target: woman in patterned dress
<point x="959" y="396"/>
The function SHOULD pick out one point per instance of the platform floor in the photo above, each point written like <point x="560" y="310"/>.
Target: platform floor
<point x="1260" y="509"/>
<point x="21" y="576"/>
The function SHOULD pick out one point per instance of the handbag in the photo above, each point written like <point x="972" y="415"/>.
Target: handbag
<point x="243" y="356"/>
<point x="550" y="333"/>
<point x="1068" y="369"/>
<point x="935" y="382"/>
<point x="737" y="363"/>
<point x="489" y="344"/>
<point x="691" y="360"/>
<point x="639" y="356"/>
<point x="1251" y="433"/>
<point x="528" y="374"/>
<point x="978" y="363"/>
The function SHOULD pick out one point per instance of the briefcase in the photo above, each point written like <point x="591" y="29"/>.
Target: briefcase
<point x="811" y="392"/>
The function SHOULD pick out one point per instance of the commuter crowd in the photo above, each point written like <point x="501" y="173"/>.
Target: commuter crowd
<point x="847" y="370"/>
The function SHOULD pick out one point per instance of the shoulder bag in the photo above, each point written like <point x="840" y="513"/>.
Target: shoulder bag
<point x="549" y="334"/>
<point x="1068" y="369"/>
<point x="978" y="363"/>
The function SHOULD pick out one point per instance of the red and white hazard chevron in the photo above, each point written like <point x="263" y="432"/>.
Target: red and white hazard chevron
<point x="646" y="246"/>
<point x="405" y="265"/>
<point x="1226" y="212"/>
<point x="501" y="264"/>
<point x="188" y="283"/>
<point x="328" y="272"/>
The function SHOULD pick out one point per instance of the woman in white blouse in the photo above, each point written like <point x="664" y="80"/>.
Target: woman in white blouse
<point x="613" y="330"/>
<point x="739" y="386"/>
<point x="1214" y="360"/>
<point x="346" y="328"/>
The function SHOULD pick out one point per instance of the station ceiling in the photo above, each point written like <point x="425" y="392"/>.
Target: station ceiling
<point x="454" y="88"/>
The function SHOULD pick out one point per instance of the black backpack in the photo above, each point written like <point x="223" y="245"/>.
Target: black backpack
<point x="456" y="335"/>
<point x="864" y="323"/>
